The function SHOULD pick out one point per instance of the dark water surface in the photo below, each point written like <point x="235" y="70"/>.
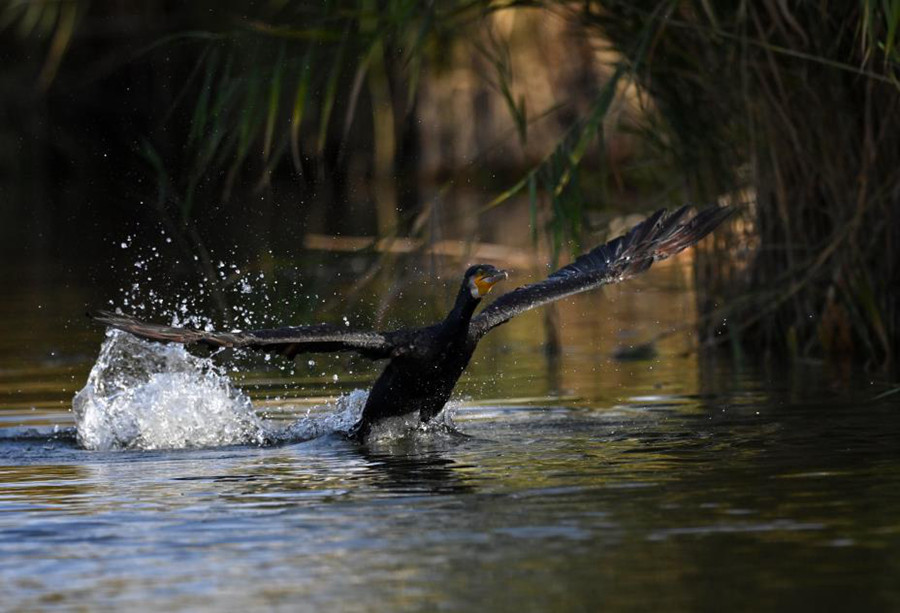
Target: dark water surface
<point x="582" y="483"/>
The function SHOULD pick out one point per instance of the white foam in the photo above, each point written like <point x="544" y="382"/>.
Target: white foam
<point x="150" y="396"/>
<point x="341" y="416"/>
<point x="411" y="429"/>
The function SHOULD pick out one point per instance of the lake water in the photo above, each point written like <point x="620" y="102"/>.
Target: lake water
<point x="578" y="482"/>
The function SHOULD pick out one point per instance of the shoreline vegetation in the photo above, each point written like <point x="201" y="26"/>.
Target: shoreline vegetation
<point x="518" y="130"/>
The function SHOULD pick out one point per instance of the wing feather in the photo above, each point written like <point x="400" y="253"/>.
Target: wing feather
<point x="289" y="341"/>
<point x="658" y="237"/>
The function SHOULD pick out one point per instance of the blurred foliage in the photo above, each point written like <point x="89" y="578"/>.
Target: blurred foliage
<point x="793" y="105"/>
<point x="237" y="89"/>
<point x="52" y="22"/>
<point x="789" y="107"/>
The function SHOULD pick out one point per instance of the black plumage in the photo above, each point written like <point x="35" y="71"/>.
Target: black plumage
<point x="424" y="364"/>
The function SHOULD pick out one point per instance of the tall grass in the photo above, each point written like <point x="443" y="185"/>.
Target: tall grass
<point x="796" y="104"/>
<point x="53" y="22"/>
<point x="791" y="107"/>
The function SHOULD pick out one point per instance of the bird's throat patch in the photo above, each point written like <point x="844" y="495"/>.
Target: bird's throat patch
<point x="482" y="286"/>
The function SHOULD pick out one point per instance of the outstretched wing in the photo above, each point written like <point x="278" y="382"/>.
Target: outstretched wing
<point x="320" y="338"/>
<point x="660" y="236"/>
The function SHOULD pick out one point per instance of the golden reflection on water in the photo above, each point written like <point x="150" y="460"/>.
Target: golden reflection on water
<point x="38" y="376"/>
<point x="43" y="486"/>
<point x="660" y="483"/>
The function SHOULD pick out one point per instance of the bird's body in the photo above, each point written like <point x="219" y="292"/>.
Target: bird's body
<point x="420" y="378"/>
<point x="424" y="368"/>
<point x="424" y="364"/>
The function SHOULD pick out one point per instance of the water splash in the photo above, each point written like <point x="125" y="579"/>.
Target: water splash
<point x="146" y="395"/>
<point x="150" y="396"/>
<point x="40" y="434"/>
<point x="340" y="417"/>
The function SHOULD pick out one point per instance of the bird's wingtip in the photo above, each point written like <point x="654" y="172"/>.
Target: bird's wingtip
<point x="98" y="315"/>
<point x="108" y="318"/>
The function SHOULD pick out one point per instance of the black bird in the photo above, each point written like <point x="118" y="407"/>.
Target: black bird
<point x="424" y="364"/>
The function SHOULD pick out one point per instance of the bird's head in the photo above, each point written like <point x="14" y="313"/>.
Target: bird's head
<point x="479" y="279"/>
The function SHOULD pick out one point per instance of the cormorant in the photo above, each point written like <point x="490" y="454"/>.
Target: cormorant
<point x="424" y="364"/>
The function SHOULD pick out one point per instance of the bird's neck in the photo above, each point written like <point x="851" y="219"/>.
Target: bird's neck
<point x="463" y="309"/>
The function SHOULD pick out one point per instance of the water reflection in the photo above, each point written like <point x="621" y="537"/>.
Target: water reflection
<point x="678" y="493"/>
<point x="581" y="479"/>
<point x="421" y="473"/>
